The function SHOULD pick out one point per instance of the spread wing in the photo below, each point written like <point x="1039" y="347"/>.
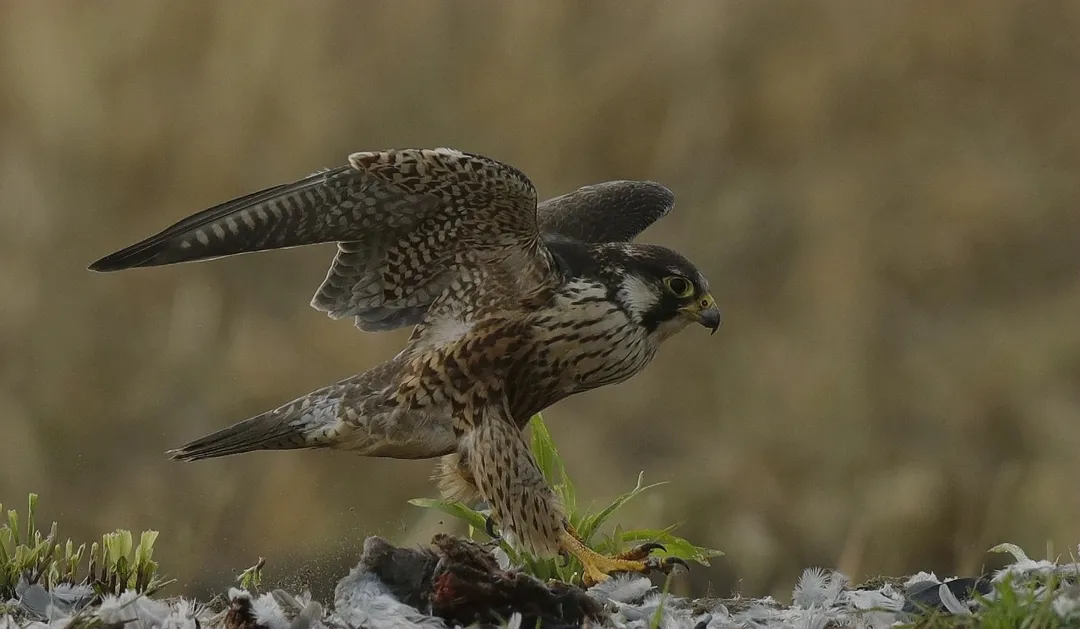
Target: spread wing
<point x="406" y="223"/>
<point x="613" y="211"/>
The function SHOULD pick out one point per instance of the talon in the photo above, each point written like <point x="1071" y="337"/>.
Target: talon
<point x="565" y="555"/>
<point x="666" y="565"/>
<point x="598" y="568"/>
<point x="641" y="552"/>
<point x="489" y="528"/>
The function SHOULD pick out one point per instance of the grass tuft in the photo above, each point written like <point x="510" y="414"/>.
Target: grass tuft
<point x="30" y="557"/>
<point x="589" y="523"/>
<point x="251" y="578"/>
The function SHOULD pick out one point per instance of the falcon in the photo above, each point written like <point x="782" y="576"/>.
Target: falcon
<point x="513" y="307"/>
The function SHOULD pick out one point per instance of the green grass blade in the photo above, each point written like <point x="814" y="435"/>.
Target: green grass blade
<point x="543" y="448"/>
<point x="590" y="524"/>
<point x="31" y="513"/>
<point x="551" y="464"/>
<point x="13" y="524"/>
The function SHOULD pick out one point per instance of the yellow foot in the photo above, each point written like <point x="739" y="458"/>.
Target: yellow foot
<point x="598" y="567"/>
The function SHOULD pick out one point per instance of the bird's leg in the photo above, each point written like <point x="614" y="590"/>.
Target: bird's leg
<point x="597" y="567"/>
<point x="507" y="478"/>
<point x="522" y="502"/>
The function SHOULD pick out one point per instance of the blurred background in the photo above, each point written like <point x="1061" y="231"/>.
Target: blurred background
<point x="885" y="197"/>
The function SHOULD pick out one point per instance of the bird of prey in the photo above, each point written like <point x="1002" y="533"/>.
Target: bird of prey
<point x="514" y="306"/>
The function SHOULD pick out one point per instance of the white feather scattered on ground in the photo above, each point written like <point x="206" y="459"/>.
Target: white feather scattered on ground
<point x="821" y="598"/>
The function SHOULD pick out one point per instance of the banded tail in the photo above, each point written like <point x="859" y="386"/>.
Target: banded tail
<point x="304" y="212"/>
<point x="308" y="422"/>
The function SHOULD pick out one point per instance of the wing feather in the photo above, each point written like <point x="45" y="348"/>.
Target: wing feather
<point x="612" y="211"/>
<point x="275" y="218"/>
<point x="405" y="221"/>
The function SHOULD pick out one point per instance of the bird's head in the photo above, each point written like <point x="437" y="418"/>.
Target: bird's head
<point x="662" y="290"/>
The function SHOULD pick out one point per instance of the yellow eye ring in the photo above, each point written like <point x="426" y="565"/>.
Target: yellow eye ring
<point x="679" y="286"/>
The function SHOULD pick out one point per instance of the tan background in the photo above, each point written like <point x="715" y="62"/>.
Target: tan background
<point x="885" y="197"/>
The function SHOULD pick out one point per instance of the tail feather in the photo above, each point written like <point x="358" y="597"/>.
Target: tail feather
<point x="308" y="422"/>
<point x="257" y="433"/>
<point x="289" y="215"/>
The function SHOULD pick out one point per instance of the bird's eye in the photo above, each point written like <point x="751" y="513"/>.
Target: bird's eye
<point x="679" y="286"/>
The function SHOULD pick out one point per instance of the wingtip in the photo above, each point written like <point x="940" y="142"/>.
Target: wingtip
<point x="101" y="266"/>
<point x="662" y="191"/>
<point x="126" y="258"/>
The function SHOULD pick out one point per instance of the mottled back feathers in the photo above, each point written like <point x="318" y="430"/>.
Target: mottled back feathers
<point x="407" y="224"/>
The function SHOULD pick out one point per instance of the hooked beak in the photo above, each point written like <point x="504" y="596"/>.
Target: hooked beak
<point x="704" y="311"/>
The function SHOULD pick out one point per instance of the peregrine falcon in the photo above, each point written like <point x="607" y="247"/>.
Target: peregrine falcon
<point x="514" y="306"/>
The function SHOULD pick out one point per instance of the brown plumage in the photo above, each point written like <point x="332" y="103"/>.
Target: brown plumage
<point x="515" y="307"/>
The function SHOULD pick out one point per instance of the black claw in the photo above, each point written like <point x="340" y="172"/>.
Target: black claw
<point x="489" y="528"/>
<point x="649" y="547"/>
<point x="671" y="562"/>
<point x="666" y="565"/>
<point x="565" y="558"/>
